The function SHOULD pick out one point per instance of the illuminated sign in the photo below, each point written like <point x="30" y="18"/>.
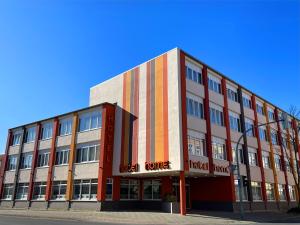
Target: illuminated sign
<point x="157" y="165"/>
<point x="198" y="165"/>
<point x="221" y="169"/>
<point x="129" y="168"/>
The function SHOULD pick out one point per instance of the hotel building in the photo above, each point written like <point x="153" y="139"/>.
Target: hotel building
<point x="164" y="131"/>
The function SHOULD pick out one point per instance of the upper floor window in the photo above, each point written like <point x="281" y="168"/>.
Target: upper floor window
<point x="12" y="162"/>
<point x="260" y="109"/>
<point x="266" y="160"/>
<point x="232" y="95"/>
<point x="241" y="155"/>
<point x="277" y="161"/>
<point x="287" y="165"/>
<point x="235" y="122"/>
<point x="271" y="115"/>
<point x="65" y="127"/>
<point x="30" y="134"/>
<point x="62" y="157"/>
<point x="250" y="127"/>
<point x="247" y="102"/>
<point x="26" y="160"/>
<point x="274" y="137"/>
<point x="193" y="75"/>
<point x="87" y="154"/>
<point x="43" y="158"/>
<point x="214" y="84"/>
<point x="252" y="155"/>
<point x="219" y="150"/>
<point x="196" y="145"/>
<point x="47" y="129"/>
<point x="194" y="108"/>
<point x="216" y="116"/>
<point x="89" y="121"/>
<point x="262" y="133"/>
<point x="16" y="139"/>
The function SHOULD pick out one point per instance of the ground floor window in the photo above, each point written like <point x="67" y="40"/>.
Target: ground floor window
<point x="109" y="188"/>
<point x="129" y="189"/>
<point x="281" y="191"/>
<point x="22" y="191"/>
<point x="244" y="191"/>
<point x="270" y="191"/>
<point x="39" y="190"/>
<point x="59" y="190"/>
<point x="85" y="189"/>
<point x="292" y="192"/>
<point x="256" y="191"/>
<point x="7" y="191"/>
<point x="152" y="189"/>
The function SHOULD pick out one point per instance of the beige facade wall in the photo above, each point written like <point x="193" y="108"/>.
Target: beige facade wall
<point x="24" y="175"/>
<point x="60" y="173"/>
<point x="86" y="170"/>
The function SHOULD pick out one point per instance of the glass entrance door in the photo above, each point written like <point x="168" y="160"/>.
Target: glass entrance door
<point x="176" y="192"/>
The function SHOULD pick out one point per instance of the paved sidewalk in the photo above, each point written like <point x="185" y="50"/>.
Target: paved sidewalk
<point x="197" y="217"/>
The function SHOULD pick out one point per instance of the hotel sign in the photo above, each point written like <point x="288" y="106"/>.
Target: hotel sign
<point x="161" y="165"/>
<point x="198" y="165"/>
<point x="129" y="168"/>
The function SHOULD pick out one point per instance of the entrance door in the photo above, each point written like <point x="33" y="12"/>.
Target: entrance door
<point x="176" y="192"/>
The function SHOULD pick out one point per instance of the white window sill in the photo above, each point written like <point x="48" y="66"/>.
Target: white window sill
<point x="64" y="135"/>
<point x="46" y="139"/>
<point x="83" y="131"/>
<point x="29" y="142"/>
<point x="24" y="169"/>
<point x="88" y="162"/>
<point x="61" y="165"/>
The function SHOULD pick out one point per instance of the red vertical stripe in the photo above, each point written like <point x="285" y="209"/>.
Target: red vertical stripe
<point x="4" y="162"/>
<point x="183" y="112"/>
<point x="123" y="122"/>
<point x="135" y="137"/>
<point x="148" y="122"/>
<point x="165" y="107"/>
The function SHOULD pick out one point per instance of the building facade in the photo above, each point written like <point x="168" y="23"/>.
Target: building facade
<point x="164" y="131"/>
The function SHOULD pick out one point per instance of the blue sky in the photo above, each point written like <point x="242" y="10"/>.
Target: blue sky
<point x="52" y="52"/>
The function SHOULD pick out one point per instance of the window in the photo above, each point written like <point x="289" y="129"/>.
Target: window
<point x="256" y="191"/>
<point x="274" y="137"/>
<point x="244" y="190"/>
<point x="22" y="191"/>
<point x="85" y="189"/>
<point x="196" y="146"/>
<point x="250" y="127"/>
<point x="7" y="191"/>
<point x="235" y="122"/>
<point x="214" y="84"/>
<point x="270" y="191"/>
<point x="39" y="190"/>
<point x="193" y="75"/>
<point x="252" y="158"/>
<point x="90" y="121"/>
<point x="12" y="162"/>
<point x="26" y="160"/>
<point x="152" y="189"/>
<point x="129" y="189"/>
<point x="287" y="165"/>
<point x="87" y="154"/>
<point x="59" y="190"/>
<point x="271" y="115"/>
<point x="219" y="150"/>
<point x="292" y="192"/>
<point x="65" y="127"/>
<point x="216" y="116"/>
<point x="16" y="139"/>
<point x="247" y="102"/>
<point x="266" y="160"/>
<point x="260" y="109"/>
<point x="109" y="189"/>
<point x="241" y="155"/>
<point x="281" y="191"/>
<point x="277" y="161"/>
<point x="62" y="157"/>
<point x="43" y="158"/>
<point x="46" y="131"/>
<point x="30" y="134"/>
<point x="262" y="134"/>
<point x="194" y="108"/>
<point x="232" y="95"/>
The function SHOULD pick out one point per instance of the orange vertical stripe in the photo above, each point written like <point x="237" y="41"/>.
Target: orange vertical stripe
<point x="148" y="128"/>
<point x="166" y="107"/>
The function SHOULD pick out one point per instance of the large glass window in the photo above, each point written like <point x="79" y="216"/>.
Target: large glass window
<point x="90" y="121"/>
<point x="85" y="189"/>
<point x="109" y="189"/>
<point x="250" y="127"/>
<point x="232" y="95"/>
<point x="241" y="155"/>
<point x="59" y="190"/>
<point x="262" y="133"/>
<point x="247" y="102"/>
<point x="214" y="85"/>
<point x="30" y="135"/>
<point x="196" y="146"/>
<point x="193" y="75"/>
<point x="22" y="191"/>
<point x="277" y="161"/>
<point x="26" y="160"/>
<point x="292" y="192"/>
<point x="244" y="190"/>
<point x="281" y="191"/>
<point x="152" y="189"/>
<point x="252" y="158"/>
<point x="266" y="160"/>
<point x="16" y="139"/>
<point x="219" y="150"/>
<point x="274" y="137"/>
<point x="43" y="158"/>
<point x="65" y="127"/>
<point x="270" y="191"/>
<point x="260" y="109"/>
<point x="47" y="129"/>
<point x="235" y="123"/>
<point x="7" y="191"/>
<point x="271" y="115"/>
<point x="12" y="162"/>
<point x="62" y="157"/>
<point x="194" y="108"/>
<point x="39" y="190"/>
<point x="129" y="189"/>
<point x="87" y="154"/>
<point x="216" y="116"/>
<point x="256" y="191"/>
